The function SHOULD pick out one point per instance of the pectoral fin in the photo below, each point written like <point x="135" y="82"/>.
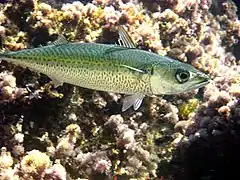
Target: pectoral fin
<point x="135" y="69"/>
<point x="134" y="100"/>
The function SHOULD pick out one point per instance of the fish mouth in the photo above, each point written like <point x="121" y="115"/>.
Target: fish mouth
<point x="199" y="85"/>
<point x="202" y="83"/>
<point x="205" y="82"/>
<point x="191" y="87"/>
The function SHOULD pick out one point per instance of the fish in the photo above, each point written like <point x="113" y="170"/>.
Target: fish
<point x="121" y="68"/>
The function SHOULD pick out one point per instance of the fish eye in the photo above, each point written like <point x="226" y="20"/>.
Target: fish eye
<point x="182" y="76"/>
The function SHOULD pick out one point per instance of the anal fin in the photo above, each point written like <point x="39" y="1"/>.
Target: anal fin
<point x="56" y="82"/>
<point x="134" y="100"/>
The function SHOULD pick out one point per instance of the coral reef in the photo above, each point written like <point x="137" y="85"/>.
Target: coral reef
<point x="9" y="91"/>
<point x="72" y="132"/>
<point x="34" y="165"/>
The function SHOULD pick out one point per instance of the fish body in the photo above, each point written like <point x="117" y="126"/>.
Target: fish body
<point x="90" y="65"/>
<point x="120" y="69"/>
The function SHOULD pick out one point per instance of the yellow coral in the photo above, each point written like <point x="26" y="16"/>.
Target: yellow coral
<point x="35" y="162"/>
<point x="15" y="42"/>
<point x="6" y="160"/>
<point x="185" y="110"/>
<point x="235" y="90"/>
<point x="73" y="130"/>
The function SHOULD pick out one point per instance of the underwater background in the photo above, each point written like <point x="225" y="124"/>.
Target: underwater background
<point x="76" y="133"/>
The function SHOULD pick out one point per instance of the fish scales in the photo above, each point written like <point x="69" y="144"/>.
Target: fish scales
<point x="91" y="65"/>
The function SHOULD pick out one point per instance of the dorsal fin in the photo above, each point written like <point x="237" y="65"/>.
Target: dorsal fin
<point x="124" y="39"/>
<point x="60" y="40"/>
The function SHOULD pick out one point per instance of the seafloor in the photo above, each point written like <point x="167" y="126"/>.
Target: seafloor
<point x="76" y="133"/>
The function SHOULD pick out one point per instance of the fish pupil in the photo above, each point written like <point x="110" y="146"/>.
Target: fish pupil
<point x="182" y="76"/>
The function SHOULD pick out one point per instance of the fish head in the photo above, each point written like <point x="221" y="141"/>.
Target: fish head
<point x="173" y="77"/>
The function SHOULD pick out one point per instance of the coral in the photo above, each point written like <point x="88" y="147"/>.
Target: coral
<point x="185" y="110"/>
<point x="34" y="165"/>
<point x="94" y="163"/>
<point x="35" y="162"/>
<point x="9" y="91"/>
<point x="2" y="31"/>
<point x="6" y="159"/>
<point x="66" y="145"/>
<point x="72" y="133"/>
<point x="6" y="162"/>
<point x="57" y="171"/>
